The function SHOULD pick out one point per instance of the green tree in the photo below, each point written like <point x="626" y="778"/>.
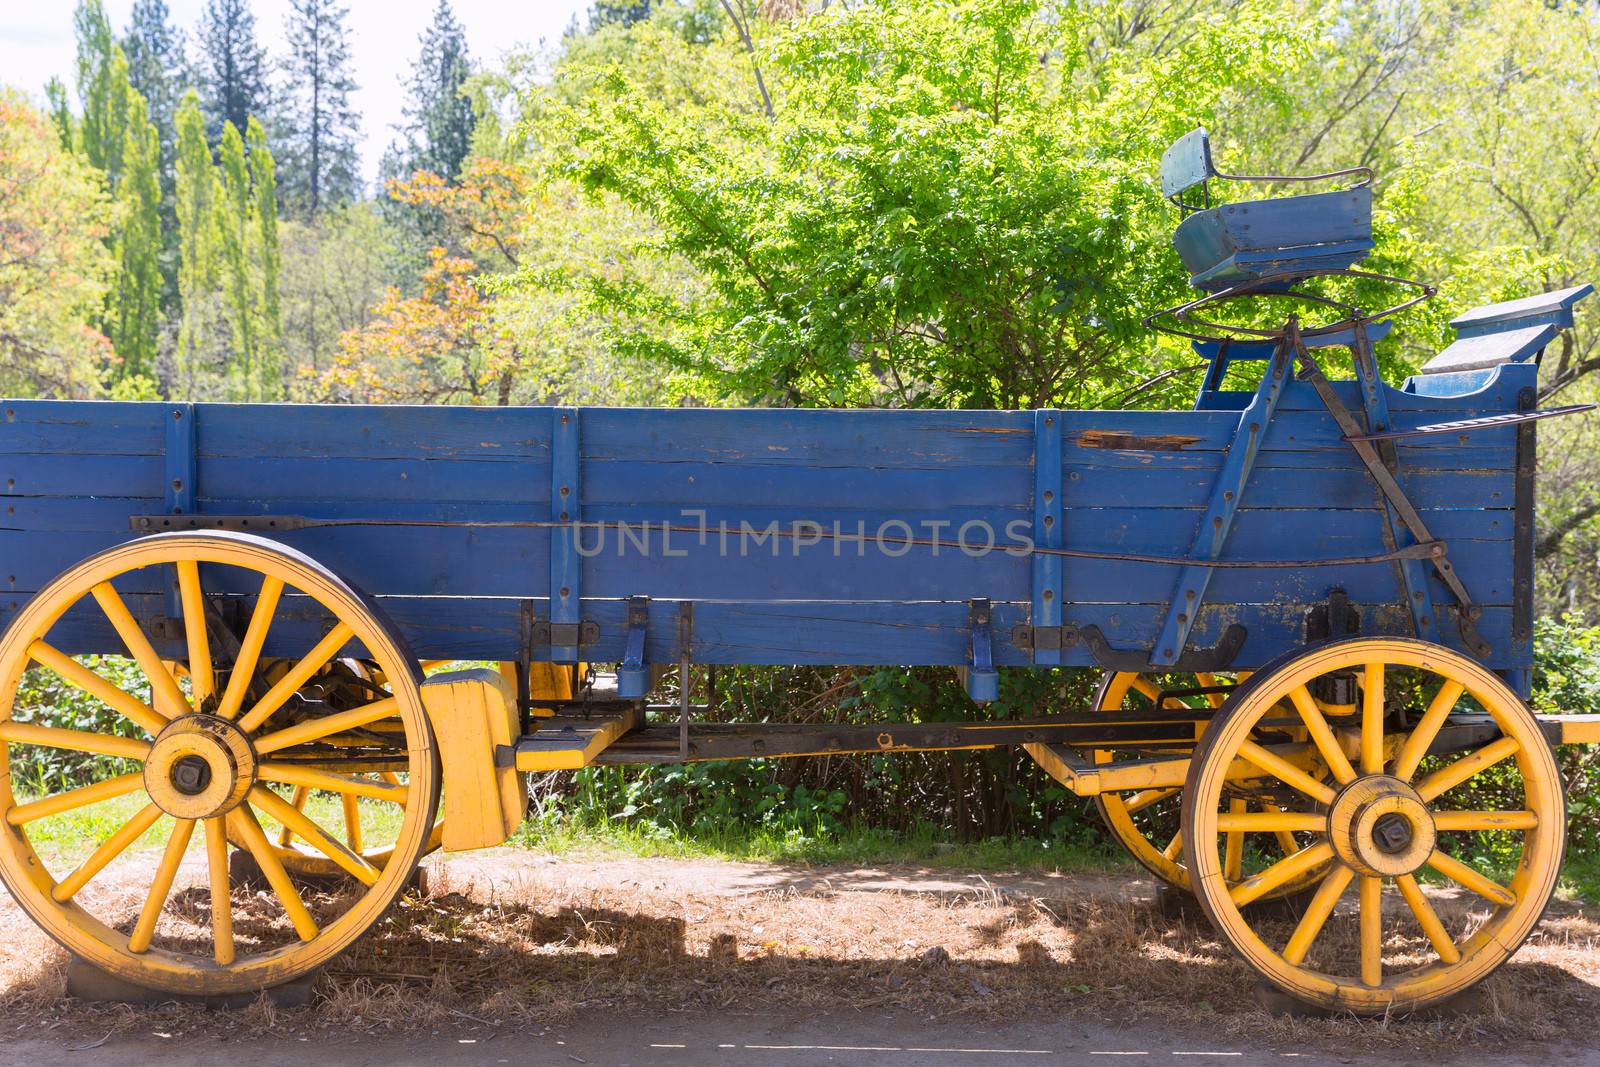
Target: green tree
<point x="102" y="90"/>
<point x="158" y="70"/>
<point x="321" y="165"/>
<point x="236" y="218"/>
<point x="232" y="66"/>
<point x="267" y="257"/>
<point x="136" y="302"/>
<point x="618" y="12"/>
<point x="947" y="206"/>
<point x="54" y="274"/>
<point x="439" y="111"/>
<point x="198" y="194"/>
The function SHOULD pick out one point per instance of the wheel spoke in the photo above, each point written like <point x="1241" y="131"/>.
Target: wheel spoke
<point x="1371" y="894"/>
<point x="1285" y="771"/>
<point x="163" y="686"/>
<point x="255" y="635"/>
<point x="201" y="678"/>
<point x="1447" y="778"/>
<point x="1149" y="689"/>
<point x="1417" y="745"/>
<point x="1322" y="735"/>
<point x="1372" y="707"/>
<point x="1465" y="876"/>
<point x="144" y="931"/>
<point x="255" y="839"/>
<point x="1316" y="915"/>
<point x="298" y="801"/>
<point x="1146" y="797"/>
<point x="81" y="797"/>
<point x="1280" y="873"/>
<point x="1233" y="848"/>
<point x="1174" y="847"/>
<point x="298" y="675"/>
<point x="327" y="725"/>
<point x="1428" y="919"/>
<point x="78" y="676"/>
<point x="352" y="821"/>
<point x="314" y="835"/>
<point x="1209" y="681"/>
<point x="1272" y="821"/>
<point x="109" y="849"/>
<point x="27" y="733"/>
<point x="221" y="891"/>
<point x="1486" y="820"/>
<point x="291" y="774"/>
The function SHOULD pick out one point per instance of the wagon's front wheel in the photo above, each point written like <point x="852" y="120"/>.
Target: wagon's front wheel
<point x="1420" y="790"/>
<point x="202" y="764"/>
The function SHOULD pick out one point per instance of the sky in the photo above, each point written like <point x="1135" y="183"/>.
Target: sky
<point x="36" y="44"/>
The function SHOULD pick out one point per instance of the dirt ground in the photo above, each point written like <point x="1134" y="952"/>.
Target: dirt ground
<point x="679" y="961"/>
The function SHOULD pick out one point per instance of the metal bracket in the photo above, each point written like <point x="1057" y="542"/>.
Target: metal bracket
<point x="1043" y="638"/>
<point x="983" y="681"/>
<point x="241" y="523"/>
<point x="1216" y="658"/>
<point x="564" y="634"/>
<point x="1336" y="618"/>
<point x="633" y="677"/>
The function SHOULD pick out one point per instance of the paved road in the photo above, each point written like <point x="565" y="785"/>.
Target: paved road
<point x="724" y="1040"/>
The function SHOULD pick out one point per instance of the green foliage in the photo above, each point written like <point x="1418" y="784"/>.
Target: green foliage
<point x="231" y="67"/>
<point x="136" y="302"/>
<point x="952" y="205"/>
<point x="43" y="697"/>
<point x="440" y="112"/>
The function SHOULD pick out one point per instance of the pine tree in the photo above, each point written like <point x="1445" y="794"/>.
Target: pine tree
<point x="156" y="68"/>
<point x="136" y="301"/>
<point x="618" y="12"/>
<point x="321" y="166"/>
<point x="232" y="66"/>
<point x="441" y="116"/>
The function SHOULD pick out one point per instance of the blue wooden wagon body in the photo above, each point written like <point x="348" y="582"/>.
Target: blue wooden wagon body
<point x="799" y="536"/>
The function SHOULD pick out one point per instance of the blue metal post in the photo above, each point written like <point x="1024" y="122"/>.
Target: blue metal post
<point x="566" y="566"/>
<point x="1049" y="531"/>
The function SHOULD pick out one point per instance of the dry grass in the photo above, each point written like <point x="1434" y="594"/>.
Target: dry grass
<point x="513" y="941"/>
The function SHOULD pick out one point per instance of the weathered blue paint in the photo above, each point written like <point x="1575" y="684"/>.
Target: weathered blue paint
<point x="1049" y="528"/>
<point x="1129" y="481"/>
<point x="1216" y="522"/>
<point x="566" y="570"/>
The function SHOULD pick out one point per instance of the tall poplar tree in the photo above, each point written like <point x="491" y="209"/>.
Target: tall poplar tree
<point x="135" y="306"/>
<point x="115" y="137"/>
<point x="232" y="66"/>
<point x="320" y="165"/>
<point x="197" y="197"/>
<point x="156" y="68"/>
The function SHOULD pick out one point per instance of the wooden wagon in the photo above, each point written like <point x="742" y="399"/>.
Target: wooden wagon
<point x="1312" y="601"/>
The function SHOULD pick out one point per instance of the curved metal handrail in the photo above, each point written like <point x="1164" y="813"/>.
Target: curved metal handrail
<point x="1184" y="313"/>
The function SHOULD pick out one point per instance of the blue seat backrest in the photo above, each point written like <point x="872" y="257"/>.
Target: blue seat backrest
<point x="1187" y="163"/>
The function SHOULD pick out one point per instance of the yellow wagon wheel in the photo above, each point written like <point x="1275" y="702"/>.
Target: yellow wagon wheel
<point x="211" y="762"/>
<point x="1391" y="816"/>
<point x="1148" y="822"/>
<point x="355" y="820"/>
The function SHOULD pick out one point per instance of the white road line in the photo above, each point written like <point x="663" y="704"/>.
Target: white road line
<point x="1208" y="1054"/>
<point x="1096" y="1053"/>
<point x="669" y="1046"/>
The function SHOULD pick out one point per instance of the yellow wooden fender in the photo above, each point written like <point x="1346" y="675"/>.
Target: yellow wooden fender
<point x="472" y="713"/>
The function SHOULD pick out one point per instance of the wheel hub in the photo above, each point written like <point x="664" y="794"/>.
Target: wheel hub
<point x="1379" y="826"/>
<point x="199" y="767"/>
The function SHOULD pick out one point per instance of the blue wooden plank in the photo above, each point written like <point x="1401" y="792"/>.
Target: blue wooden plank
<point x="375" y="481"/>
<point x="358" y="432"/>
<point x="83" y="427"/>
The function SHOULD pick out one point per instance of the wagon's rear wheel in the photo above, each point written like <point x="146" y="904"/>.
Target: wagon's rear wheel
<point x="1148" y="822"/>
<point x="209" y="763"/>
<point x="1421" y="789"/>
